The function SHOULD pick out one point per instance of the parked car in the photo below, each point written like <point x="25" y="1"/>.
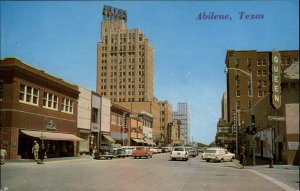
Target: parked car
<point x="104" y="152"/>
<point x="142" y="151"/>
<point x="120" y="153"/>
<point x="217" y="154"/>
<point x="192" y="151"/>
<point x="158" y="150"/>
<point x="180" y="152"/>
<point x="153" y="150"/>
<point x="166" y="149"/>
<point x="128" y="150"/>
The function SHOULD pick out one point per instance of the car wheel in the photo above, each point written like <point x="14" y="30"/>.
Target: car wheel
<point x="222" y="160"/>
<point x="231" y="159"/>
<point x="135" y="157"/>
<point x="207" y="160"/>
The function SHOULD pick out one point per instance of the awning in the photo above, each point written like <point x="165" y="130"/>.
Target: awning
<point x="142" y="141"/>
<point x="152" y="142"/>
<point x="109" y="138"/>
<point x="136" y="140"/>
<point x="45" y="135"/>
<point x="147" y="141"/>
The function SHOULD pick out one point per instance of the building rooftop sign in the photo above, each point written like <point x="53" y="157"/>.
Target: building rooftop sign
<point x="112" y="13"/>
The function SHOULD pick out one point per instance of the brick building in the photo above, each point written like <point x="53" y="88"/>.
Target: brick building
<point x="36" y="106"/>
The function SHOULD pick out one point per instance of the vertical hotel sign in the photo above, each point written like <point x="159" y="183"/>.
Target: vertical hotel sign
<point x="276" y="79"/>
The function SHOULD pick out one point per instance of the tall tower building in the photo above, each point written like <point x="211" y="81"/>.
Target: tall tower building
<point x="124" y="60"/>
<point x="183" y="115"/>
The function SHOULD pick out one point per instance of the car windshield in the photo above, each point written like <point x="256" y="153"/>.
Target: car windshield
<point x="211" y="151"/>
<point x="140" y="148"/>
<point x="178" y="149"/>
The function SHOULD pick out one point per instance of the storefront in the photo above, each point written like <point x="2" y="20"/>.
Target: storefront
<point x="56" y="144"/>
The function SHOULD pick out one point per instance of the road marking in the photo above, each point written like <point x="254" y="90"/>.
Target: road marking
<point x="273" y="180"/>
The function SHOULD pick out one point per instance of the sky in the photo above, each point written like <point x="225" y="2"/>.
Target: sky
<point x="60" y="37"/>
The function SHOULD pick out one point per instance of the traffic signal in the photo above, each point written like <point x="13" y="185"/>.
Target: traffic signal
<point x="252" y="119"/>
<point x="253" y="130"/>
<point x="247" y="131"/>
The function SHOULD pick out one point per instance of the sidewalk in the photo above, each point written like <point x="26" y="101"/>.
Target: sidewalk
<point x="264" y="164"/>
<point x="80" y="157"/>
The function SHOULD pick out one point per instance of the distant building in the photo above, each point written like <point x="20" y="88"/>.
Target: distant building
<point x="183" y="115"/>
<point x="166" y="116"/>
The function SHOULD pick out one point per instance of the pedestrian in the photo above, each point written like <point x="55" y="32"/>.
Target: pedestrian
<point x="3" y="153"/>
<point x="35" y="150"/>
<point x="242" y="156"/>
<point x="42" y="152"/>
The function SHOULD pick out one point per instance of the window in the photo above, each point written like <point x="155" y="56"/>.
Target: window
<point x="238" y="93"/>
<point x="28" y="95"/>
<point x="95" y="115"/>
<point x="1" y="91"/>
<point x="238" y="105"/>
<point x="259" y="93"/>
<point x="50" y="101"/>
<point x="249" y="93"/>
<point x="259" y="72"/>
<point x="258" y="62"/>
<point x="67" y="105"/>
<point x="237" y="63"/>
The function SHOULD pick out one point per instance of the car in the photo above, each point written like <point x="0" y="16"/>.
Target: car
<point x="158" y="150"/>
<point x="128" y="150"/>
<point x="141" y="151"/>
<point x="120" y="153"/>
<point x="217" y="154"/>
<point x="104" y="152"/>
<point x="153" y="150"/>
<point x="192" y="151"/>
<point x="179" y="152"/>
<point x="166" y="149"/>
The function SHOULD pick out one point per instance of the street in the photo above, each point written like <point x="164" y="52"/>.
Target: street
<point x="158" y="173"/>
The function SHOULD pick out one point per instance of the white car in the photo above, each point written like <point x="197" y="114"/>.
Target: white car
<point x="180" y="152"/>
<point x="128" y="150"/>
<point x="217" y="154"/>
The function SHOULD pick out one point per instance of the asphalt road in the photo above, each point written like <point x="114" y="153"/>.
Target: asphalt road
<point x="156" y="174"/>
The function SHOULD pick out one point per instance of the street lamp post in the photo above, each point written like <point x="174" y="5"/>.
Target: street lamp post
<point x="251" y="108"/>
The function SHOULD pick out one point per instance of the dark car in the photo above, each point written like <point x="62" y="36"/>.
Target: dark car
<point x="120" y="153"/>
<point x="105" y="152"/>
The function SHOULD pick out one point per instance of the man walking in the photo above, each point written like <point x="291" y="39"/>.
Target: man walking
<point x="35" y="150"/>
<point x="2" y="154"/>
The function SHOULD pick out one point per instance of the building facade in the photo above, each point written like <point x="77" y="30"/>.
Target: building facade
<point x="265" y="118"/>
<point x="125" y="64"/>
<point x="36" y="106"/>
<point x="166" y="116"/>
<point x="84" y="119"/>
<point x="124" y="61"/>
<point x="256" y="63"/>
<point x="183" y="115"/>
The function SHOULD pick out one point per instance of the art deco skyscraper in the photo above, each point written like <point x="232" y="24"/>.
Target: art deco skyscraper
<point x="124" y="60"/>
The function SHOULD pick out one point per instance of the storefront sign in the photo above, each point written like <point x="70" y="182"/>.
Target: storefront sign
<point x="95" y="127"/>
<point x="50" y="125"/>
<point x="276" y="79"/>
<point x="293" y="146"/>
